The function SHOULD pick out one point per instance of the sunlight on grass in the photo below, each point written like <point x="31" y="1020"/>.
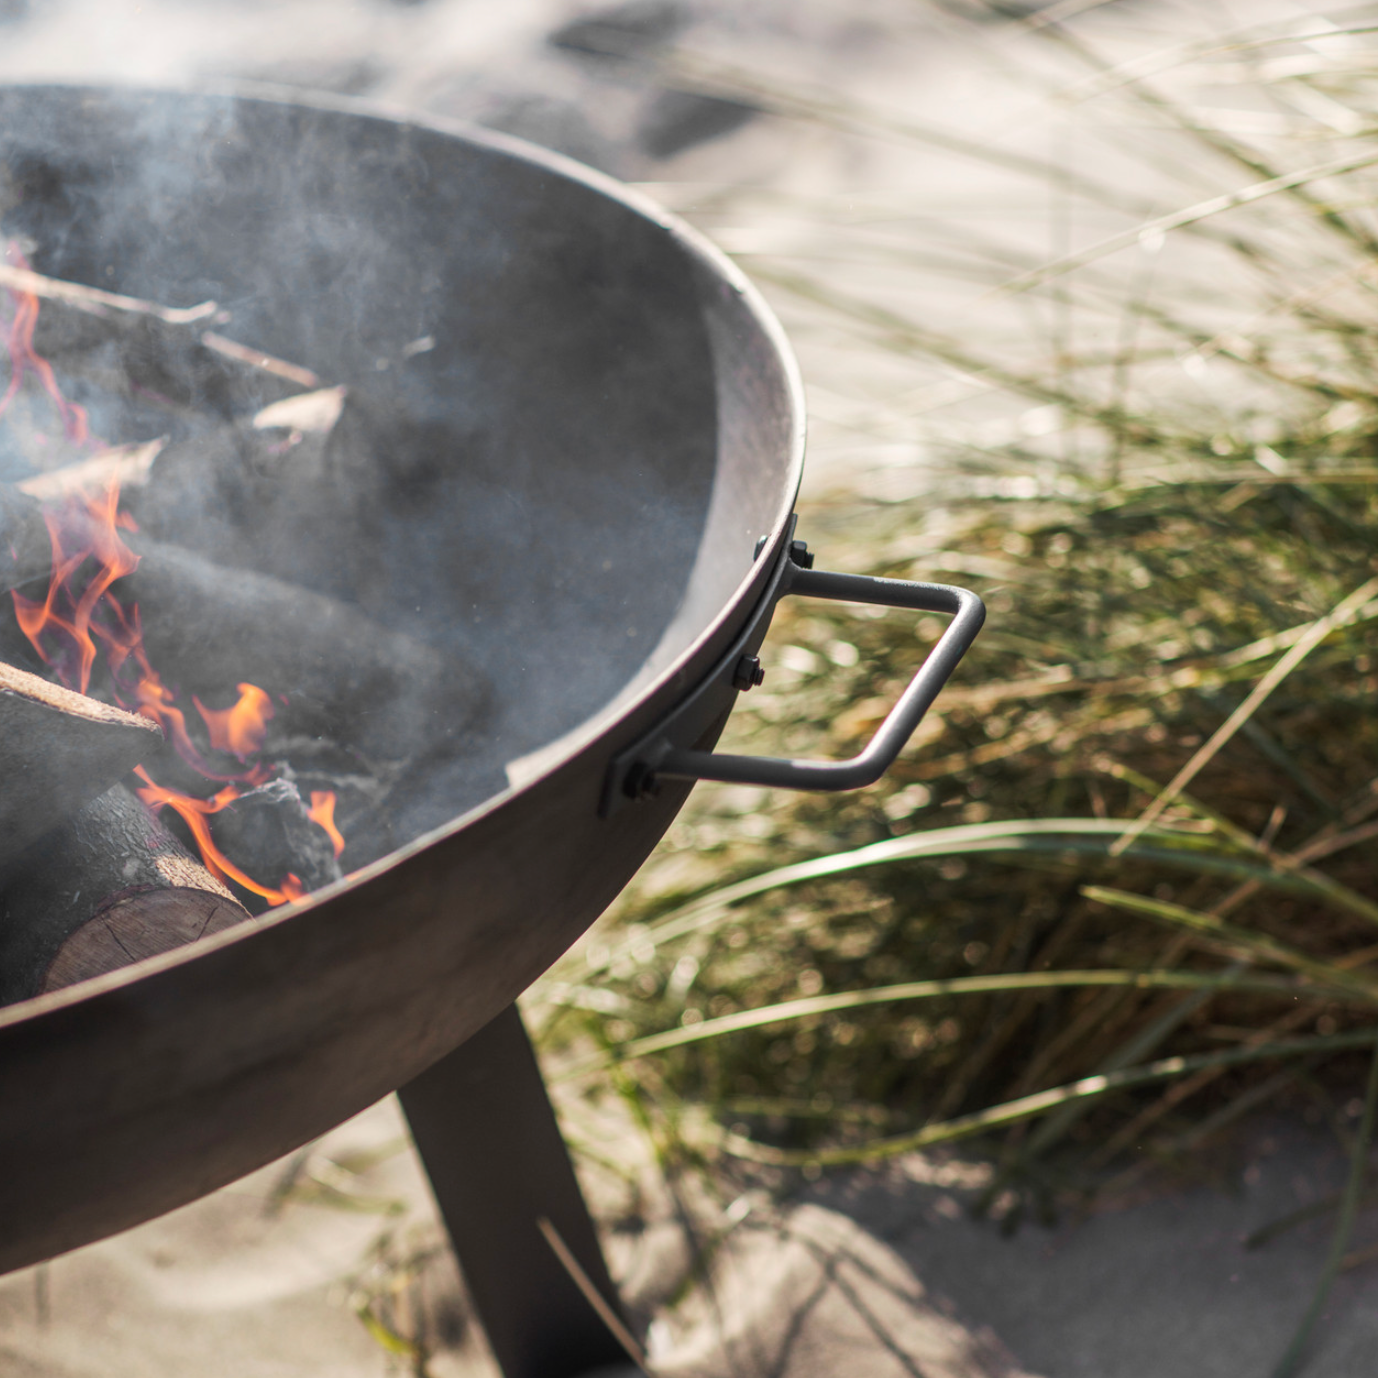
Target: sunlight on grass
<point x="1118" y="891"/>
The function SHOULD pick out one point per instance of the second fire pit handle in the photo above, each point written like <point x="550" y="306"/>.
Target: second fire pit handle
<point x="661" y="755"/>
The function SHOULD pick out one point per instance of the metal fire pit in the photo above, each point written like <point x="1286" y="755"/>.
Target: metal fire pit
<point x="590" y="498"/>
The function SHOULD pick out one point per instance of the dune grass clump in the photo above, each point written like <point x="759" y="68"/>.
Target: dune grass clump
<point x="1119" y="892"/>
<point x="996" y="921"/>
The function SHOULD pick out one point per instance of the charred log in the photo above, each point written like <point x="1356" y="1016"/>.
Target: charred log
<point x="108" y="888"/>
<point x="365" y="792"/>
<point x="260" y="494"/>
<point x="26" y="548"/>
<point x="58" y="751"/>
<point x="268" y="832"/>
<point x="173" y="368"/>
<point x="331" y="670"/>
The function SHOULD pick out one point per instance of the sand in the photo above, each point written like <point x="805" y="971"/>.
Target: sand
<point x="865" y="1274"/>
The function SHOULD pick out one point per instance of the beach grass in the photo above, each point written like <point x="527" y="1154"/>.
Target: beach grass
<point x="1118" y="893"/>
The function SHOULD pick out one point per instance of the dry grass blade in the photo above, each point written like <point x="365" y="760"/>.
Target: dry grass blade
<point x="1343" y="612"/>
<point x="1029" y="1107"/>
<point x="705" y="75"/>
<point x="1178" y="55"/>
<point x="961" y="985"/>
<point x="1231" y="936"/>
<point x="1189" y="215"/>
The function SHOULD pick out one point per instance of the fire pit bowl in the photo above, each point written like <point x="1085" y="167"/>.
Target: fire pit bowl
<point x="586" y="496"/>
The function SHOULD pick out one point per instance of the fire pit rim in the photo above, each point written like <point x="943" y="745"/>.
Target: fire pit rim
<point x="616" y="713"/>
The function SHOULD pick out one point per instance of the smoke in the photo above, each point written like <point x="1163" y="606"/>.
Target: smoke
<point x="532" y="491"/>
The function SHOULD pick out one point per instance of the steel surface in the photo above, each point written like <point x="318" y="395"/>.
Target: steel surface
<point x="606" y="423"/>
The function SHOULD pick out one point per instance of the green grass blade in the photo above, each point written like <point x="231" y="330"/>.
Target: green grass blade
<point x="1143" y="1044"/>
<point x="804" y="1007"/>
<point x="1012" y="836"/>
<point x="1040" y="1103"/>
<point x="1342" y="613"/>
<point x="386" y="1337"/>
<point x="1256" y="945"/>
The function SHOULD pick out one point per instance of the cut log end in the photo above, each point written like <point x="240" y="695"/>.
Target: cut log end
<point x="143" y="923"/>
<point x="109" y="887"/>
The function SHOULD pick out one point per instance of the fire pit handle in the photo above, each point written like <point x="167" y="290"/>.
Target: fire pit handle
<point x="664" y="754"/>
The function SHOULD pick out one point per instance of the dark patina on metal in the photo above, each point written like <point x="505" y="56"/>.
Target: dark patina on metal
<point x="604" y="422"/>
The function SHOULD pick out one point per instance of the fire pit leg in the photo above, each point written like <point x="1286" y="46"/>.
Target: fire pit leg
<point x="487" y="1136"/>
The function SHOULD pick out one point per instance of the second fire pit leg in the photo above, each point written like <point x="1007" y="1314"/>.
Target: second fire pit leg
<point x="488" y="1138"/>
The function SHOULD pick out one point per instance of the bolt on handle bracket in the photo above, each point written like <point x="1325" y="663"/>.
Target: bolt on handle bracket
<point x="671" y="749"/>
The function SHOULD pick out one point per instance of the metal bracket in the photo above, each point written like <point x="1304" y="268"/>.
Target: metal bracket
<point x="674" y="749"/>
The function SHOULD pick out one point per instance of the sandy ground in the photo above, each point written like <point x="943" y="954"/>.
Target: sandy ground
<point x="867" y="1274"/>
<point x="875" y="1274"/>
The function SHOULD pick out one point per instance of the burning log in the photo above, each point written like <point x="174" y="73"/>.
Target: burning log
<point x="294" y="492"/>
<point x="58" y="751"/>
<point x="331" y="670"/>
<point x="109" y="887"/>
<point x="270" y="831"/>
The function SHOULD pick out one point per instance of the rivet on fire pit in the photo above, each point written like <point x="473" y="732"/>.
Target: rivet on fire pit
<point x="800" y="554"/>
<point x="748" y="673"/>
<point x="641" y="782"/>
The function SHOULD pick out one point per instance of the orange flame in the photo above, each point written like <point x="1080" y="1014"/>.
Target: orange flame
<point x="322" y="813"/>
<point x="24" y="359"/>
<point x="91" y="525"/>
<point x="239" y="730"/>
<point x="194" y="813"/>
<point x="65" y="627"/>
<point x="81" y="616"/>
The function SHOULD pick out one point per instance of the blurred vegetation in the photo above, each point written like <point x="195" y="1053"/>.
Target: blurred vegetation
<point x="1119" y="891"/>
